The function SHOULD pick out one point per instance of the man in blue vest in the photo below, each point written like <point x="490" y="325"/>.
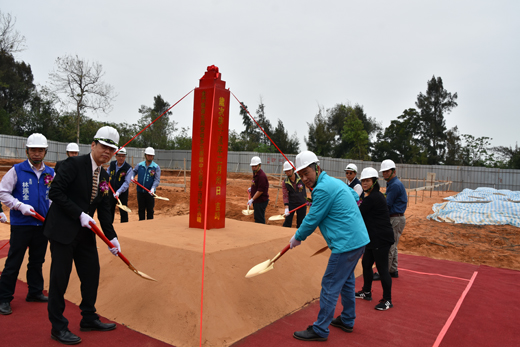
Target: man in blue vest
<point x="352" y="181"/>
<point x="121" y="174"/>
<point x="294" y="195"/>
<point x="25" y="190"/>
<point x="334" y="210"/>
<point x="149" y="175"/>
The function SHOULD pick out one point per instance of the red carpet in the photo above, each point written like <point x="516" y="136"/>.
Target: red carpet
<point x="29" y="326"/>
<point x="425" y="296"/>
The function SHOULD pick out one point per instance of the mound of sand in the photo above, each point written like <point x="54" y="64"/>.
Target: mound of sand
<point x="233" y="306"/>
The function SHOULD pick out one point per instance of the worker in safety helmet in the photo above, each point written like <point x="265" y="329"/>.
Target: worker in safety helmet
<point x="259" y="190"/>
<point x="352" y="180"/>
<point x="25" y="190"/>
<point x="334" y="210"/>
<point x="77" y="192"/>
<point x="121" y="173"/>
<point x="149" y="175"/>
<point x="397" y="200"/>
<point x="72" y="151"/>
<point x="294" y="195"/>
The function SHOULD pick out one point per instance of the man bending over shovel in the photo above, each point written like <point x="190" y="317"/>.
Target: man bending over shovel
<point x="334" y="210"/>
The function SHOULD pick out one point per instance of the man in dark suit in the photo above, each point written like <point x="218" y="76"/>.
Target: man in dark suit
<point x="77" y="192"/>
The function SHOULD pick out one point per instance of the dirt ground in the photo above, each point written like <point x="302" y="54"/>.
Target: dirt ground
<point x="497" y="246"/>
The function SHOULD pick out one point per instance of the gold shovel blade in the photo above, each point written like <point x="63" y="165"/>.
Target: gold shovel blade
<point x="123" y="207"/>
<point x="247" y="212"/>
<point x="259" y="269"/>
<point x="142" y="274"/>
<point x="277" y="217"/>
<point x="160" y="197"/>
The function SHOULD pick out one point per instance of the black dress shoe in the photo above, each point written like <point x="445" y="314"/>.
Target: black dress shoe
<point x="338" y="323"/>
<point x="308" y="335"/>
<point x="96" y="325"/>
<point x="65" y="337"/>
<point x="394" y="274"/>
<point x="37" y="298"/>
<point x="376" y="276"/>
<point x="5" y="308"/>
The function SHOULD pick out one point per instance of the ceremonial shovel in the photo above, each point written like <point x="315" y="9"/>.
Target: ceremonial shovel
<point x="153" y="194"/>
<point x="119" y="203"/>
<point x="282" y="216"/>
<point x="247" y="212"/>
<point x="267" y="265"/>
<point x="104" y="238"/>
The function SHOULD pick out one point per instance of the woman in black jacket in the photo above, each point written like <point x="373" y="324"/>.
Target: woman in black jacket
<point x="375" y="213"/>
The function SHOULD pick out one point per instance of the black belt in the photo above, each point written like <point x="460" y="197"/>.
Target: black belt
<point x="397" y="215"/>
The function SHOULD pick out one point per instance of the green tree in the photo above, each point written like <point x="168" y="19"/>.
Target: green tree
<point x="158" y="134"/>
<point x="81" y="84"/>
<point x="432" y="127"/>
<point x="510" y="156"/>
<point x="320" y="139"/>
<point x="354" y="133"/>
<point x="183" y="140"/>
<point x="453" y="147"/>
<point x="280" y="136"/>
<point x="476" y="151"/>
<point x="11" y="41"/>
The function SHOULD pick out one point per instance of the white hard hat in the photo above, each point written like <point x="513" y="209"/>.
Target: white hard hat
<point x="351" y="167"/>
<point x="305" y="159"/>
<point x="149" y="151"/>
<point x="107" y="136"/>
<point x="288" y="165"/>
<point x="37" y="141"/>
<point x="369" y="172"/>
<point x="122" y="150"/>
<point x="72" y="147"/>
<point x="387" y="164"/>
<point x="255" y="161"/>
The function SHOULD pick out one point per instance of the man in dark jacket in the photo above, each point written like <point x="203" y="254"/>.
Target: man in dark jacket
<point x="294" y="195"/>
<point x="259" y="190"/>
<point x="121" y="174"/>
<point x="77" y="192"/>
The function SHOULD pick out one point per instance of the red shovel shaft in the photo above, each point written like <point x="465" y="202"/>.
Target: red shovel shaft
<point x="107" y="241"/>
<point x="140" y="185"/>
<point x="112" y="189"/>
<point x="283" y="252"/>
<point x="297" y="208"/>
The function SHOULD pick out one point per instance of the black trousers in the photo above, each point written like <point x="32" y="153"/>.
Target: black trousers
<point x="380" y="257"/>
<point x="113" y="204"/>
<point x="146" y="203"/>
<point x="260" y="211"/>
<point x="83" y="252"/>
<point x="300" y="214"/>
<point x="23" y="237"/>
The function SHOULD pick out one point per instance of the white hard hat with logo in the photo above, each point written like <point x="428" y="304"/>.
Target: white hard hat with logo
<point x="122" y="151"/>
<point x="149" y="151"/>
<point x="387" y="164"/>
<point x="37" y="141"/>
<point x="305" y="159"/>
<point x="351" y="167"/>
<point x="72" y="147"/>
<point x="288" y="165"/>
<point x="369" y="172"/>
<point x="255" y="161"/>
<point x="108" y="136"/>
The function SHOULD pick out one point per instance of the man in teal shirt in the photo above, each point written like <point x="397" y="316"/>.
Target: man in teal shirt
<point x="334" y="210"/>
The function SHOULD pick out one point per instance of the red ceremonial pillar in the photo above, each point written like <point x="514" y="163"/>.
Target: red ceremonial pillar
<point x="209" y="149"/>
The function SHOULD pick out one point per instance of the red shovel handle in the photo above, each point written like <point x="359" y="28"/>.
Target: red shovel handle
<point x="297" y="208"/>
<point x="282" y="252"/>
<point x="107" y="241"/>
<point x="38" y="216"/>
<point x="112" y="189"/>
<point x="140" y="185"/>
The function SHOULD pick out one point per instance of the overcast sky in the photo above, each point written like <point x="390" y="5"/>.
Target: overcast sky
<point x="294" y="55"/>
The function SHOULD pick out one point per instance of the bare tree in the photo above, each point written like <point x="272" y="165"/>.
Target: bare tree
<point x="11" y="41"/>
<point x="81" y="83"/>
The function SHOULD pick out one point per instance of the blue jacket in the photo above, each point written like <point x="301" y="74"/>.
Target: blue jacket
<point x="334" y="210"/>
<point x="149" y="177"/>
<point x="32" y="191"/>
<point x="396" y="197"/>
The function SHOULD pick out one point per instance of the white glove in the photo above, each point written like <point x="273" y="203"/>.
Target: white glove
<point x="27" y="210"/>
<point x="116" y="195"/>
<point x="117" y="248"/>
<point x="250" y="202"/>
<point x="3" y="218"/>
<point x="294" y="242"/>
<point x="249" y="190"/>
<point x="152" y="191"/>
<point x="286" y="211"/>
<point x="85" y="220"/>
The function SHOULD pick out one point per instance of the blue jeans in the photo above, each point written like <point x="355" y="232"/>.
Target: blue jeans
<point x="339" y="278"/>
